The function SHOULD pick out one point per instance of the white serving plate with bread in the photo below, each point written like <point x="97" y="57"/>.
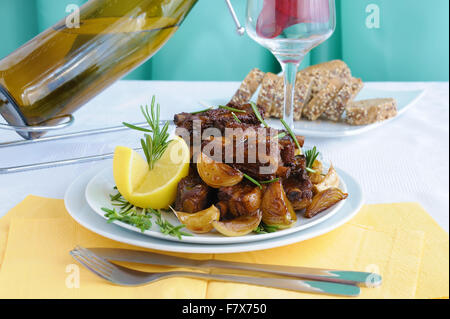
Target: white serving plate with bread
<point x="329" y="101"/>
<point x="327" y="129"/>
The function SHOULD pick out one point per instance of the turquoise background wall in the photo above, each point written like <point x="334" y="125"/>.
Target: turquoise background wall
<point x="411" y="42"/>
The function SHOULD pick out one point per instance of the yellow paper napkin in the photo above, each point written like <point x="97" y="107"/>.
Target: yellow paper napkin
<point x="37" y="265"/>
<point x="39" y="234"/>
<point x="400" y="241"/>
<point x="434" y="273"/>
<point x="396" y="256"/>
<point x="32" y="206"/>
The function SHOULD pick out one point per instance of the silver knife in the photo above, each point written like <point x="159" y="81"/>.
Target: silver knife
<point x="363" y="279"/>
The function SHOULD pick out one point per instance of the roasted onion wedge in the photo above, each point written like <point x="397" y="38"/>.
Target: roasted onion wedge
<point x="276" y="209"/>
<point x="316" y="177"/>
<point x="200" y="222"/>
<point x="240" y="226"/>
<point x="216" y="174"/>
<point x="324" y="200"/>
<point x="330" y="180"/>
<point x="301" y="205"/>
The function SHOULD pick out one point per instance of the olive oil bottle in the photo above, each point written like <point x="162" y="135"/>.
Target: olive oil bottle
<point x="64" y="67"/>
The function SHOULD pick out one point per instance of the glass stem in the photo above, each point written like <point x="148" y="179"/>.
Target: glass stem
<point x="290" y="75"/>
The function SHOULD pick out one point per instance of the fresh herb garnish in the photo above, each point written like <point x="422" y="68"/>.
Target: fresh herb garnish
<point x="153" y="145"/>
<point x="254" y="181"/>
<point x="311" y="156"/>
<point x="236" y="118"/>
<point x="281" y="135"/>
<point x="258" y="115"/>
<point x="231" y="109"/>
<point x="202" y="111"/>
<point x="167" y="228"/>
<point x="291" y="133"/>
<point x="265" y="229"/>
<point x="271" y="181"/>
<point x="143" y="222"/>
<point x="259" y="184"/>
<point x="140" y="217"/>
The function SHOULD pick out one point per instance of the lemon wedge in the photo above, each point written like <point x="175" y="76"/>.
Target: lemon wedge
<point x="154" y="188"/>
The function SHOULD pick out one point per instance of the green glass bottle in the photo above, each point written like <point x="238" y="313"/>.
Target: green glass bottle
<point x="67" y="65"/>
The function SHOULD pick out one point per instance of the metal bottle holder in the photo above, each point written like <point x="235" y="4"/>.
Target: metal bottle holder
<point x="10" y="111"/>
<point x="32" y="134"/>
<point x="39" y="128"/>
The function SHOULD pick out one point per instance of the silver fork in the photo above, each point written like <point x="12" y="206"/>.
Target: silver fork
<point x="123" y="276"/>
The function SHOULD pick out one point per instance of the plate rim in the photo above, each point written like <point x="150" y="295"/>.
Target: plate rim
<point x="212" y="240"/>
<point x="354" y="206"/>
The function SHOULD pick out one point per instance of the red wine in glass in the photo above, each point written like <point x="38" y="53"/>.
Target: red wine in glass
<point x="290" y="29"/>
<point x="277" y="15"/>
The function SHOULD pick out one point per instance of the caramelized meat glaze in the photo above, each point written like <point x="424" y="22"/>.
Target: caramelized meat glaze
<point x="285" y="186"/>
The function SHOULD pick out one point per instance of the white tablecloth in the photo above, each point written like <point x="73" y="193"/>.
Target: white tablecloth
<point x="405" y="160"/>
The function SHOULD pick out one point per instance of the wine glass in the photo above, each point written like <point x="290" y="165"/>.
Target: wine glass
<point x="290" y="29"/>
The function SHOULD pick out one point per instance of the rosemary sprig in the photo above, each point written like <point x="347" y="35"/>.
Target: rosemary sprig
<point x="258" y="115"/>
<point x="281" y="135"/>
<point x="141" y="218"/>
<point x="231" y="109"/>
<point x="291" y="133"/>
<point x="311" y="156"/>
<point x="254" y="181"/>
<point x="259" y="184"/>
<point x="129" y="215"/>
<point x="153" y="145"/>
<point x="265" y="229"/>
<point x="236" y="118"/>
<point x="202" y="111"/>
<point x="167" y="228"/>
<point x="271" y="181"/>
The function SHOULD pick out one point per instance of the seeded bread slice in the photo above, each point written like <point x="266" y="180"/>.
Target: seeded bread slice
<point x="334" y="68"/>
<point x="371" y="111"/>
<point x="315" y="108"/>
<point x="271" y="94"/>
<point x="346" y="94"/>
<point x="303" y="89"/>
<point x="248" y="87"/>
<point x="322" y="73"/>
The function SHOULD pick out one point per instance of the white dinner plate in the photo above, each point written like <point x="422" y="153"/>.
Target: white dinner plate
<point x="81" y="212"/>
<point x="328" y="129"/>
<point x="102" y="185"/>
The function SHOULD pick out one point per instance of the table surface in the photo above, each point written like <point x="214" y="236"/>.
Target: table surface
<point x="405" y="160"/>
